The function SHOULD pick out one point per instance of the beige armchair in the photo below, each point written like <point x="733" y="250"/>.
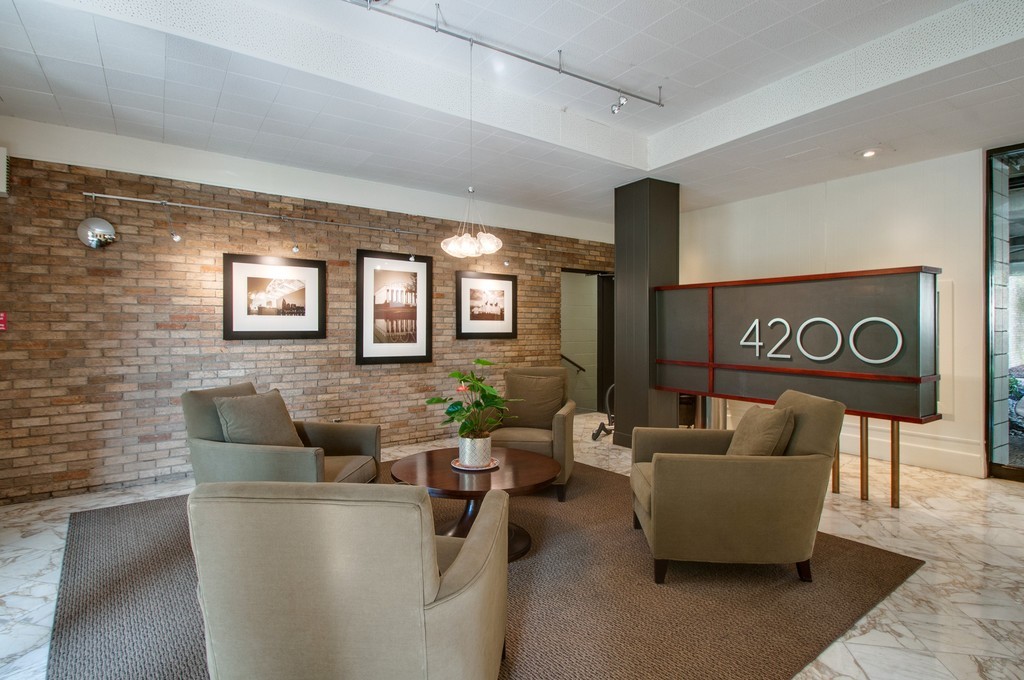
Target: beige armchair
<point x="263" y="443"/>
<point x="346" y="581"/>
<point x="695" y="503"/>
<point x="541" y="417"/>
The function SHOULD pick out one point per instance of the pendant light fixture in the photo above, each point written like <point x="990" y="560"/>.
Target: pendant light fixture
<point x="471" y="239"/>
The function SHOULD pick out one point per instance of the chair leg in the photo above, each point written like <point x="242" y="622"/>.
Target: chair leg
<point x="660" y="568"/>
<point x="560" y="489"/>
<point x="636" y="521"/>
<point x="803" y="569"/>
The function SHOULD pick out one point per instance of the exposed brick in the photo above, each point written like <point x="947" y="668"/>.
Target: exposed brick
<point x="101" y="343"/>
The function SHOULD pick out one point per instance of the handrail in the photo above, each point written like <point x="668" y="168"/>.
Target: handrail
<point x="579" y="369"/>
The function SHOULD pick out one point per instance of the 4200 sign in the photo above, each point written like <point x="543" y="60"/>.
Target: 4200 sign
<point x="752" y="338"/>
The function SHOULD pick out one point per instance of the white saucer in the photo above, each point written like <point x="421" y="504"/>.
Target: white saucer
<point x="465" y="468"/>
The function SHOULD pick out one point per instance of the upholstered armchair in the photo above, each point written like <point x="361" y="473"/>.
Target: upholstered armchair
<point x="235" y="435"/>
<point x="540" y="418"/>
<point x="346" y="581"/>
<point x="750" y="495"/>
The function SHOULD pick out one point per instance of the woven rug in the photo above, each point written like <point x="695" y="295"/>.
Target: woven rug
<point x="582" y="603"/>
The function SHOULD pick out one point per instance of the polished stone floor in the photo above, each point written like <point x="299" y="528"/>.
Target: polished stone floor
<point x="960" y="616"/>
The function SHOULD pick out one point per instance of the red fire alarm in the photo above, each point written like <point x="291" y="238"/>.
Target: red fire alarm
<point x="3" y="321"/>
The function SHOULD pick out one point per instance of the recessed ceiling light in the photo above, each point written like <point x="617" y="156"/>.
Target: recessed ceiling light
<point x="868" y="153"/>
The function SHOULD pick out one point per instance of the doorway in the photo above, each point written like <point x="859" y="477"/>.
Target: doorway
<point x="588" y="335"/>
<point x="1006" y="312"/>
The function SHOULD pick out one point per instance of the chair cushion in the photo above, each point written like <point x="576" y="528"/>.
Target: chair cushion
<point x="640" y="481"/>
<point x="353" y="469"/>
<point x="762" y="432"/>
<point x="201" y="419"/>
<point x="541" y="397"/>
<point x="526" y="438"/>
<point x="259" y="419"/>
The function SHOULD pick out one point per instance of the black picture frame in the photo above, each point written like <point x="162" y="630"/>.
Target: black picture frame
<point x="274" y="298"/>
<point x="394" y="311"/>
<point x="486" y="306"/>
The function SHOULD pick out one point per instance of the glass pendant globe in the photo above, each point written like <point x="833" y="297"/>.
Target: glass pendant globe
<point x="489" y="243"/>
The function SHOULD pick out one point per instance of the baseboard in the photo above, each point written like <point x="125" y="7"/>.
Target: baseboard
<point x="959" y="456"/>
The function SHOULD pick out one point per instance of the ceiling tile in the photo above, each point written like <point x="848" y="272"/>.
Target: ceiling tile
<point x="86" y="122"/>
<point x="301" y="99"/>
<point x="44" y="16"/>
<point x="193" y="52"/>
<point x="244" y="105"/>
<point x="194" y="74"/>
<point x="133" y="82"/>
<point x="61" y="46"/>
<point x="198" y="112"/>
<point x="129" y="60"/>
<point x="191" y="94"/>
<point x="716" y="10"/>
<point x="677" y="27"/>
<point x="22" y="69"/>
<point x="151" y="132"/>
<point x="281" y="127"/>
<point x="135" y="100"/>
<point x="139" y="39"/>
<point x="86" y="107"/>
<point x="77" y="80"/>
<point x="236" y="119"/>
<point x="184" y="124"/>
<point x="256" y="68"/>
<point x="14" y="37"/>
<point x="232" y="132"/>
<point x="250" y="88"/>
<point x="19" y="98"/>
<point x="127" y="114"/>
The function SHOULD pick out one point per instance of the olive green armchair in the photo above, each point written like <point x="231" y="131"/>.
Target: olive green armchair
<point x="700" y="498"/>
<point x="540" y="417"/>
<point x="235" y="435"/>
<point x="346" y="581"/>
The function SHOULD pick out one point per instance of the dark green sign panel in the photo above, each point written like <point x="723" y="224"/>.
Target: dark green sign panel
<point x="867" y="339"/>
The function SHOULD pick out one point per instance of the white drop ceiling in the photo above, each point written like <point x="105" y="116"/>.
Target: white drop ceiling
<point x="759" y="95"/>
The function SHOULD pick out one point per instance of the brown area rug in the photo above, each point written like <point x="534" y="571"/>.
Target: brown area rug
<point x="582" y="603"/>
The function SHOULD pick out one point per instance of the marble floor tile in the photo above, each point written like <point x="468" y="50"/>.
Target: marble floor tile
<point x="960" y="617"/>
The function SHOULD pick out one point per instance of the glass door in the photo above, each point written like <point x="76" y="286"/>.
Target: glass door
<point x="1006" y="312"/>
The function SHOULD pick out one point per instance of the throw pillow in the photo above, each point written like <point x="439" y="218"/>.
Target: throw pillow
<point x="541" y="397"/>
<point x="259" y="419"/>
<point x="762" y="432"/>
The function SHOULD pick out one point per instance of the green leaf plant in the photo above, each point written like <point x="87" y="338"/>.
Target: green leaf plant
<point x="477" y="408"/>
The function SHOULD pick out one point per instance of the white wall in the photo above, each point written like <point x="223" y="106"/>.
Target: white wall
<point x="579" y="336"/>
<point x="929" y="213"/>
<point x="59" y="144"/>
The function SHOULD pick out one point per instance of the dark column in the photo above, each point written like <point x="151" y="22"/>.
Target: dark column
<point x="646" y="254"/>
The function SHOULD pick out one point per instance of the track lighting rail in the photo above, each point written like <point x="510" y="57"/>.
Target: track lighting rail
<point x="437" y="28"/>
<point x="193" y="206"/>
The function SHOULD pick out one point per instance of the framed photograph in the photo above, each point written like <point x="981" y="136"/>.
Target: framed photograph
<point x="393" y="307"/>
<point x="485" y="305"/>
<point x="270" y="298"/>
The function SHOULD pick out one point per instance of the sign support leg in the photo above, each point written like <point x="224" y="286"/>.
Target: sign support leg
<point x="894" y="455"/>
<point x="863" y="458"/>
<point x="835" y="470"/>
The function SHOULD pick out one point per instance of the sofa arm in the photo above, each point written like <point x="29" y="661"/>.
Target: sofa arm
<point x="469" y="612"/>
<point x="650" y="440"/>
<point x="341" y="439"/>
<point x="562" y="439"/>
<point x="226" y="462"/>
<point x="487" y="542"/>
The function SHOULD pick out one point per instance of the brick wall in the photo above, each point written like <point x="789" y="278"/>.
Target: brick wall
<point x="101" y="343"/>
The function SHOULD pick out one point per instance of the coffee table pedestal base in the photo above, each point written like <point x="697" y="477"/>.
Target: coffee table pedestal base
<point x="519" y="540"/>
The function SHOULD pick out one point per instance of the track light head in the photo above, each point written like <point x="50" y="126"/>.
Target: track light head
<point x="618" y="105"/>
<point x="175" y="236"/>
<point x="295" y="248"/>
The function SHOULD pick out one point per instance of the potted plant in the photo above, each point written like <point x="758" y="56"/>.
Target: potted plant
<point x="478" y="409"/>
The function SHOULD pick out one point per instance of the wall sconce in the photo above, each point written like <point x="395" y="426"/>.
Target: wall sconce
<point x="96" y="232"/>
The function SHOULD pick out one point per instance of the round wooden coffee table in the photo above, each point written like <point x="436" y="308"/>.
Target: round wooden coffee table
<point x="519" y="472"/>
